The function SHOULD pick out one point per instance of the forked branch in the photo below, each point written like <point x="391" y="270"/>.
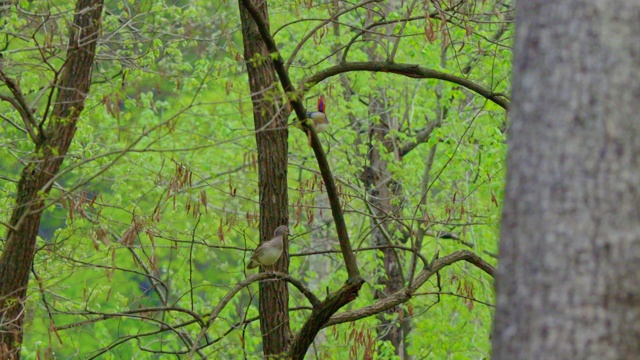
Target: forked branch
<point x="405" y="294"/>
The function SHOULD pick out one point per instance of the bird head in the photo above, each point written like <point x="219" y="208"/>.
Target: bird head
<point x="281" y="230"/>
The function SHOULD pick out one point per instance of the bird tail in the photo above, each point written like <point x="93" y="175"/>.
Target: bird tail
<point x="252" y="265"/>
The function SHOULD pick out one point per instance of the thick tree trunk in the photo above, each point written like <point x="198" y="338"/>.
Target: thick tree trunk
<point x="36" y="178"/>
<point x="271" y="138"/>
<point x="568" y="279"/>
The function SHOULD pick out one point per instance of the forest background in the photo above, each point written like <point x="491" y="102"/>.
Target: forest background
<point x="151" y="218"/>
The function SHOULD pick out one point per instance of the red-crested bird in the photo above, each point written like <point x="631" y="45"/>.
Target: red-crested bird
<point x="319" y="119"/>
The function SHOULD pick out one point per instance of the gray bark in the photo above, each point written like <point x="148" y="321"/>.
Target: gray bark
<point x="568" y="284"/>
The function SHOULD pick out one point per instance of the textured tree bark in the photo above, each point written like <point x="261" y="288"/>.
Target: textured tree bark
<point x="384" y="189"/>
<point x="271" y="138"/>
<point x="567" y="285"/>
<point x="395" y="322"/>
<point x="349" y="292"/>
<point x="35" y="181"/>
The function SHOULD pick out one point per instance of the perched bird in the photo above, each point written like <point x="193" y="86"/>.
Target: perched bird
<point x="269" y="251"/>
<point x="319" y="118"/>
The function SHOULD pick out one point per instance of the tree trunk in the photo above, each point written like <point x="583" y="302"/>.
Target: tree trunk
<point x="271" y="137"/>
<point x="568" y="280"/>
<point x="383" y="191"/>
<point x="36" y="178"/>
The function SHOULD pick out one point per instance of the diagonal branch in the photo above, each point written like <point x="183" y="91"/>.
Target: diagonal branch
<point x="25" y="113"/>
<point x="241" y="285"/>
<point x="421" y="137"/>
<point x="19" y="249"/>
<point x="406" y="293"/>
<point x="349" y="291"/>
<point x="20" y="128"/>
<point x="293" y="96"/>
<point x="334" y="17"/>
<point x="18" y="102"/>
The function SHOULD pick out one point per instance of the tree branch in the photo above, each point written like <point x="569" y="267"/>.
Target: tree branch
<point x="241" y="285"/>
<point x="408" y="70"/>
<point x="25" y="114"/>
<point x="406" y="293"/>
<point x="319" y="26"/>
<point x="349" y="291"/>
<point x="19" y="102"/>
<point x="293" y="96"/>
<point x="421" y="137"/>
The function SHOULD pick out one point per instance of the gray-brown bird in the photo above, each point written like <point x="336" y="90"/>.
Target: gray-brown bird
<point x="269" y="251"/>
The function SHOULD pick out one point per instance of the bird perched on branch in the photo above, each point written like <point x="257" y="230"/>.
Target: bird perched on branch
<point x="319" y="119"/>
<point x="269" y="251"/>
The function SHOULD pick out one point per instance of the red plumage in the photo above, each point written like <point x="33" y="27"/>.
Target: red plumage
<point x="321" y="105"/>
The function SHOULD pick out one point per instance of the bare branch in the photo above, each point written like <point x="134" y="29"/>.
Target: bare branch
<point x="241" y="285"/>
<point x="5" y="118"/>
<point x="319" y="26"/>
<point x="406" y="293"/>
<point x="408" y="70"/>
<point x="26" y="115"/>
<point x="323" y="164"/>
<point x="421" y="137"/>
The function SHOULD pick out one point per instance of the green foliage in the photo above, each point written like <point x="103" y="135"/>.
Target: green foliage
<point x="160" y="182"/>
